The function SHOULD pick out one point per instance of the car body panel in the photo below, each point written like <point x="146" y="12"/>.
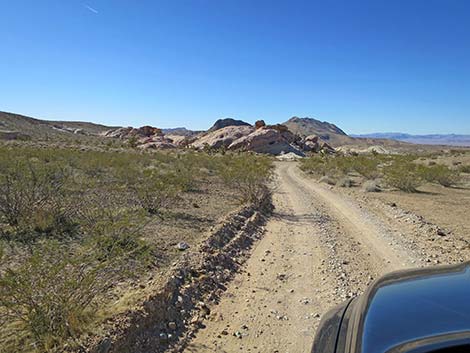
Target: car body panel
<point x="410" y="311"/>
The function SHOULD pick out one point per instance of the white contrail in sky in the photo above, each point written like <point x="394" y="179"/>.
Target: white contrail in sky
<point x="90" y="8"/>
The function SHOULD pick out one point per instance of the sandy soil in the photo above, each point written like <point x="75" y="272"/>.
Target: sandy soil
<point x="320" y="247"/>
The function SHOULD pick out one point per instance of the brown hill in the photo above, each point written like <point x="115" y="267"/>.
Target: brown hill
<point x="15" y="126"/>
<point x="325" y="130"/>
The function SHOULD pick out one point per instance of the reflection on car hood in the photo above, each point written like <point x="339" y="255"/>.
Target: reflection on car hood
<point x="408" y="306"/>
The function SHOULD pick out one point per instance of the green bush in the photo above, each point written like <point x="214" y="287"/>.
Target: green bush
<point x="464" y="169"/>
<point x="52" y="296"/>
<point x="403" y="175"/>
<point x="339" y="166"/>
<point x="438" y="173"/>
<point x="155" y="190"/>
<point x="32" y="201"/>
<point x="366" y="166"/>
<point x="248" y="174"/>
<point x="49" y="297"/>
<point x="71" y="223"/>
<point x="314" y="165"/>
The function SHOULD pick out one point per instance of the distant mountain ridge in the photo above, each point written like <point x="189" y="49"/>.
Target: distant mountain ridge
<point x="180" y="131"/>
<point x="429" y="139"/>
<point x="19" y="127"/>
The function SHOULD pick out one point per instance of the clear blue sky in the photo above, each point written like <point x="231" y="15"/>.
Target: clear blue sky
<point x="367" y="66"/>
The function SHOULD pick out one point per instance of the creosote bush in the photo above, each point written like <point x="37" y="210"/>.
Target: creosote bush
<point x="340" y="166"/>
<point x="440" y="174"/>
<point x="247" y="173"/>
<point x="403" y="175"/>
<point x="71" y="225"/>
<point x="464" y="169"/>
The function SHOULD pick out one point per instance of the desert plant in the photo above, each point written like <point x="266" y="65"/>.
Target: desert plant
<point x="248" y="174"/>
<point x="464" y="169"/>
<point x="403" y="175"/>
<point x="133" y="142"/>
<point x="314" y="165"/>
<point x="49" y="297"/>
<point x="155" y="190"/>
<point x="438" y="174"/>
<point x="367" y="166"/>
<point x="32" y="201"/>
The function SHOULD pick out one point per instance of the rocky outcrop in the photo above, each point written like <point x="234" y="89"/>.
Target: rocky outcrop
<point x="262" y="138"/>
<point x="265" y="140"/>
<point x="221" y="123"/>
<point x="259" y="124"/>
<point x="222" y="138"/>
<point x="237" y="135"/>
<point x="128" y="132"/>
<point x="146" y="137"/>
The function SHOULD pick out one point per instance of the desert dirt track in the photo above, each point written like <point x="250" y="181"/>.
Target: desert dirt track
<point x="319" y="249"/>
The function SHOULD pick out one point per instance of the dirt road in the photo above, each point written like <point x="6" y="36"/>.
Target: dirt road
<point x="319" y="249"/>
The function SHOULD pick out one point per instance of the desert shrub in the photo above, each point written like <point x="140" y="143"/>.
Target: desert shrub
<point x="133" y="141"/>
<point x="403" y="175"/>
<point x="438" y="173"/>
<point x="366" y="166"/>
<point x="52" y="296"/>
<point x="32" y="202"/>
<point x="74" y="219"/>
<point x="338" y="166"/>
<point x="187" y="169"/>
<point x="464" y="169"/>
<point x="313" y="165"/>
<point x="370" y="186"/>
<point x="155" y="190"/>
<point x="246" y="173"/>
<point x="345" y="182"/>
<point x="49" y="297"/>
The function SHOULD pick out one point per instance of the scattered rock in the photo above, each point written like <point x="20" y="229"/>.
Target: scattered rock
<point x="345" y="182"/>
<point x="327" y="180"/>
<point x="163" y="337"/>
<point x="182" y="246"/>
<point x="104" y="346"/>
<point x="441" y="232"/>
<point x="370" y="186"/>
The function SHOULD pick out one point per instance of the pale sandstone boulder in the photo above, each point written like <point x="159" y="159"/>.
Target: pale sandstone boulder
<point x="223" y="137"/>
<point x="265" y="140"/>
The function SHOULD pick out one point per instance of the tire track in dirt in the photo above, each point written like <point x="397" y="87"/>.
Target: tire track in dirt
<point x="318" y="249"/>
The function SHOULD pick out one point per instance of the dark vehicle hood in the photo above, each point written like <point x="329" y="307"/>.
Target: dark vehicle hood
<point x="414" y="305"/>
<point x="409" y="311"/>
